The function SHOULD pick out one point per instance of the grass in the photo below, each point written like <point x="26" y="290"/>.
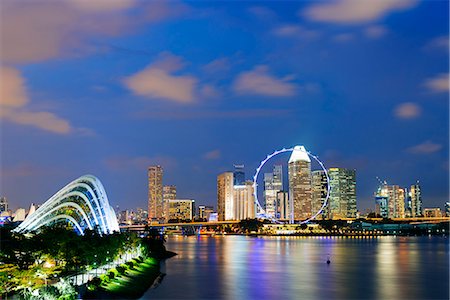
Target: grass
<point x="132" y="284"/>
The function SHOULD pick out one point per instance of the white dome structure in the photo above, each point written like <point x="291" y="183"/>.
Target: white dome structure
<point x="82" y="203"/>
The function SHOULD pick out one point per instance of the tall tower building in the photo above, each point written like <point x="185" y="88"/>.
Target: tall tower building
<point x="300" y="195"/>
<point x="381" y="201"/>
<point x="225" y="201"/>
<point x="239" y="175"/>
<point x="244" y="201"/>
<point x="415" y="195"/>
<point x="155" y="193"/>
<point x="342" y="200"/>
<point x="283" y="205"/>
<point x="169" y="193"/>
<point x="319" y="193"/>
<point x="273" y="183"/>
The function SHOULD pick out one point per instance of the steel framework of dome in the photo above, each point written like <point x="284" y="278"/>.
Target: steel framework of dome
<point x="82" y="203"/>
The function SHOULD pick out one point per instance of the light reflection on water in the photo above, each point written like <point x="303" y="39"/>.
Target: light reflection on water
<point x="238" y="267"/>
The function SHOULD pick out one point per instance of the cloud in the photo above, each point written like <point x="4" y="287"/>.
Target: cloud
<point x="13" y="103"/>
<point x="222" y="64"/>
<point x="375" y="31"/>
<point x="407" y="110"/>
<point x="209" y="91"/>
<point x="354" y="11"/>
<point x="262" y="12"/>
<point x="157" y="82"/>
<point x="259" y="82"/>
<point x="33" y="31"/>
<point x="123" y="162"/>
<point x="425" y="148"/>
<point x="343" y="37"/>
<point x="212" y="155"/>
<point x="439" y="83"/>
<point x="294" y="31"/>
<point x="439" y="43"/>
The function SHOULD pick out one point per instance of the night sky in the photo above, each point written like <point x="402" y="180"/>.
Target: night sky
<point x="110" y="87"/>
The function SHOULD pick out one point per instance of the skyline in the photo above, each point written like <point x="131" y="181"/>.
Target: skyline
<point x="196" y="87"/>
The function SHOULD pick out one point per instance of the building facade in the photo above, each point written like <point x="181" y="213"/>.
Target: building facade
<point x="244" y="201"/>
<point x="239" y="175"/>
<point x="342" y="200"/>
<point x="415" y="196"/>
<point x="3" y="204"/>
<point x="300" y="194"/>
<point x="319" y="187"/>
<point x="155" y="194"/>
<point x="181" y="209"/>
<point x="283" y="208"/>
<point x="225" y="203"/>
<point x="169" y="193"/>
<point x="204" y="211"/>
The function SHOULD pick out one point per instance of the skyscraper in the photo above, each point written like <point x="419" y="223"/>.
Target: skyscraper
<point x="244" y="201"/>
<point x="300" y="195"/>
<point x="225" y="203"/>
<point x="155" y="193"/>
<point x="273" y="183"/>
<point x="319" y="193"/>
<point x="169" y="193"/>
<point x="381" y="201"/>
<point x="416" y="200"/>
<point x="180" y="209"/>
<point x="239" y="175"/>
<point x="390" y="201"/>
<point x="342" y="200"/>
<point x="283" y="209"/>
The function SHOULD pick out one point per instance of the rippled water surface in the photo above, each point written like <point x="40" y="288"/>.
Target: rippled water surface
<point x="238" y="267"/>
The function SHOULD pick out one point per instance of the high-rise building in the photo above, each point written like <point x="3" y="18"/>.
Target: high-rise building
<point x="434" y="212"/>
<point x="390" y="201"/>
<point x="225" y="203"/>
<point x="155" y="193"/>
<point x="381" y="201"/>
<point x="300" y="195"/>
<point x="273" y="183"/>
<point x="342" y="200"/>
<point x="169" y="193"/>
<point x="244" y="201"/>
<point x="283" y="209"/>
<point x="319" y="187"/>
<point x="181" y="209"/>
<point x="447" y="209"/>
<point x="3" y="204"/>
<point x="415" y="195"/>
<point x="239" y="175"/>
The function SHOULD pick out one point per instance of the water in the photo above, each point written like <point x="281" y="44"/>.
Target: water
<point x="239" y="267"/>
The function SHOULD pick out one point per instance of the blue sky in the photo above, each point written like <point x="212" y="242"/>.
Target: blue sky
<point x="111" y="87"/>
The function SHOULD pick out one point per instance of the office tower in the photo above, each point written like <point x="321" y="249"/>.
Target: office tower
<point x="204" y="211"/>
<point x="239" y="175"/>
<point x="342" y="200"/>
<point x="381" y="201"/>
<point x="155" y="193"/>
<point x="283" y="205"/>
<point x="273" y="183"/>
<point x="244" y="201"/>
<point x="399" y="201"/>
<point x="319" y="187"/>
<point x="225" y="203"/>
<point x="169" y="193"/>
<point x="3" y="204"/>
<point x="300" y="195"/>
<point x="181" y="209"/>
<point x="416" y="200"/>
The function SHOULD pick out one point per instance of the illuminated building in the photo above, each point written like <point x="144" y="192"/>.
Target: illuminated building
<point x="82" y="203"/>
<point x="300" y="195"/>
<point x="273" y="183"/>
<point x="381" y="201"/>
<point x="181" y="209"/>
<point x="3" y="204"/>
<point x="390" y="201"/>
<point x="204" y="211"/>
<point x="283" y="205"/>
<point x="244" y="201"/>
<point x="169" y="193"/>
<point x="342" y="200"/>
<point x="319" y="187"/>
<point x="19" y="215"/>
<point x="239" y="175"/>
<point x="416" y="200"/>
<point x="434" y="212"/>
<point x="155" y="193"/>
<point x="225" y="203"/>
<point x="447" y="209"/>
